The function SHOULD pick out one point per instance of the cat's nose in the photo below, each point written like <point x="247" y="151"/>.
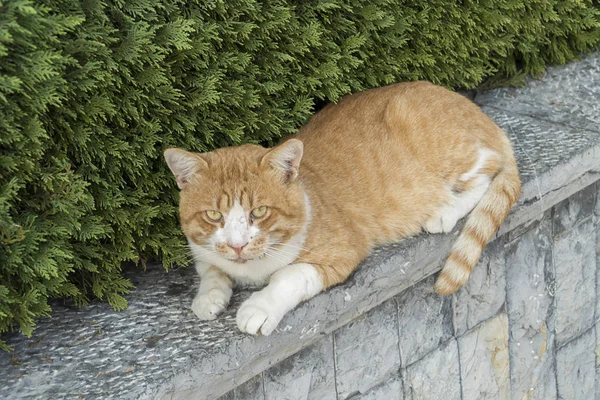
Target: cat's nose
<point x="237" y="247"/>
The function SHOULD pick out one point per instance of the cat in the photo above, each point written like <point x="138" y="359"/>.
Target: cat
<point x="376" y="167"/>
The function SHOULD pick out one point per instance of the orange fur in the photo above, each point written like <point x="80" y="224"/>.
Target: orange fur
<point x="376" y="167"/>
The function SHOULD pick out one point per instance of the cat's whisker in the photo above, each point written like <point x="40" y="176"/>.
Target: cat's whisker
<point x="204" y="251"/>
<point x="293" y="246"/>
<point x="276" y="256"/>
<point x="284" y="258"/>
<point x="286" y="253"/>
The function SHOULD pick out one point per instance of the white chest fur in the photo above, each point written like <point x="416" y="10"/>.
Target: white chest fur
<point x="254" y="272"/>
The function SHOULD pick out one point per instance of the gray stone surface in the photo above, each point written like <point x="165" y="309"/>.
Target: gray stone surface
<point x="366" y="350"/>
<point x="575" y="264"/>
<point x="307" y="375"/>
<point x="529" y="297"/>
<point x="436" y="376"/>
<point x="597" y="220"/>
<point x="96" y="347"/>
<point x="576" y="370"/>
<point x="425" y="321"/>
<point x="250" y="390"/>
<point x="530" y="208"/>
<point x="484" y="361"/>
<point x="597" y="209"/>
<point x="568" y="95"/>
<point x="597" y="359"/>
<point x="388" y="390"/>
<point x="536" y="142"/>
<point x="520" y="230"/>
<point x="572" y="210"/>
<point x="159" y="342"/>
<point x="540" y="147"/>
<point x="597" y="316"/>
<point x="483" y="295"/>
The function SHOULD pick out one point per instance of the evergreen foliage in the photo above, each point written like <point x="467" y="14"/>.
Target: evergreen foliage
<point x="91" y="92"/>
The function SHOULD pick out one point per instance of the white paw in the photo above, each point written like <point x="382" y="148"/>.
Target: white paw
<point x="258" y="316"/>
<point x="208" y="305"/>
<point x="441" y="224"/>
<point x="434" y="225"/>
<point x="449" y="222"/>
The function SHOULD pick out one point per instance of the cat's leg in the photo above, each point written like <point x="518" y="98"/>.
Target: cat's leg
<point x="287" y="288"/>
<point x="460" y="204"/>
<point x="214" y="293"/>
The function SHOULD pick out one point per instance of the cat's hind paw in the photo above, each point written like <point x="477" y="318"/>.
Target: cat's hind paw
<point x="433" y="225"/>
<point x="208" y="305"/>
<point x="256" y="316"/>
<point x="441" y="223"/>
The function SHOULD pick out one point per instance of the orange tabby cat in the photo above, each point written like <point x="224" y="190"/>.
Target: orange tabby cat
<point x="377" y="167"/>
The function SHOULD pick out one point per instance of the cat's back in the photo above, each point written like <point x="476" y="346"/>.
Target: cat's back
<point x="405" y="127"/>
<point x="378" y="153"/>
<point x="408" y="113"/>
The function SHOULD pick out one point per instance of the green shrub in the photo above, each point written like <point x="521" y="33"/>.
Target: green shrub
<point x="92" y="91"/>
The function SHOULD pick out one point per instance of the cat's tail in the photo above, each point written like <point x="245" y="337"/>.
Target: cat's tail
<point x="482" y="223"/>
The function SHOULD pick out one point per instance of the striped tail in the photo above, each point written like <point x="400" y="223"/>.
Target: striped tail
<point x="482" y="223"/>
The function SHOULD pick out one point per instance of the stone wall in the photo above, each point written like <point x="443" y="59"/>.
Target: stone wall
<point x="524" y="327"/>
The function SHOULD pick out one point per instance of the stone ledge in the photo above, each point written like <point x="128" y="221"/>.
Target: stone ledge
<point x="158" y="349"/>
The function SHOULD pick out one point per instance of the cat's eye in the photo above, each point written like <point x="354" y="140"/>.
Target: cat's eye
<point x="213" y="215"/>
<point x="259" y="212"/>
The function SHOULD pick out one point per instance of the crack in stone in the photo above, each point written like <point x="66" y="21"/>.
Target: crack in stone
<point x="335" y="379"/>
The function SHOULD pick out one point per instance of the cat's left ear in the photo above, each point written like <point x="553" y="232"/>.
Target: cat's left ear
<point x="285" y="159"/>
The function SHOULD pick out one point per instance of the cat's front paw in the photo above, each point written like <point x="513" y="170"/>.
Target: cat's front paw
<point x="208" y="305"/>
<point x="258" y="316"/>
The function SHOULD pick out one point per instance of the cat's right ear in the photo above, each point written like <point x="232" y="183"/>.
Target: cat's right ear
<point x="183" y="164"/>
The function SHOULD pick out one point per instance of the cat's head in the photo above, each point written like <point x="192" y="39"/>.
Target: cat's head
<point x="240" y="203"/>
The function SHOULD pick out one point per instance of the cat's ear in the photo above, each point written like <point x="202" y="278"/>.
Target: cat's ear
<point x="285" y="159"/>
<point x="183" y="164"/>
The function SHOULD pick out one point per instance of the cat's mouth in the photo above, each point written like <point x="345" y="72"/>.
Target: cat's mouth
<point x="242" y="260"/>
